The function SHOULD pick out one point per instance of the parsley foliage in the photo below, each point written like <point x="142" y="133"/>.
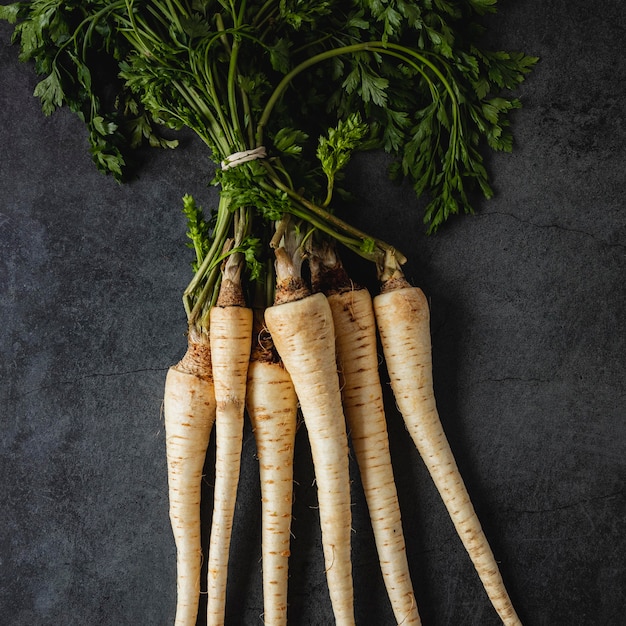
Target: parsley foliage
<point x="311" y="81"/>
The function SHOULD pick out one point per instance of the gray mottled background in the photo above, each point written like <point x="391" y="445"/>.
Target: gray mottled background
<point x="528" y="323"/>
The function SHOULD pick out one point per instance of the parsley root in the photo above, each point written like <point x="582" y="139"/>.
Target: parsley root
<point x="301" y="326"/>
<point x="403" y="319"/>
<point x="230" y="332"/>
<point x="272" y="406"/>
<point x="189" y="413"/>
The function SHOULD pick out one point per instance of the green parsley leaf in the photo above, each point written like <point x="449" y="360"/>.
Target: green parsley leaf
<point x="50" y="92"/>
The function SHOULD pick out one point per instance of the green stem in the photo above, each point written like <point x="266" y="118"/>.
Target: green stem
<point x="232" y="90"/>
<point x="196" y="293"/>
<point x="91" y="20"/>
<point x="173" y="14"/>
<point x="206" y="297"/>
<point x="329" y="192"/>
<point x="402" y="54"/>
<point x="346" y="234"/>
<point x="141" y="33"/>
<point x="217" y="131"/>
<point x="259" y="18"/>
<point x="230" y="85"/>
<point x="406" y="54"/>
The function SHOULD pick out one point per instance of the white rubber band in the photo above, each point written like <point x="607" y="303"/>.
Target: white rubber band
<point x="238" y="158"/>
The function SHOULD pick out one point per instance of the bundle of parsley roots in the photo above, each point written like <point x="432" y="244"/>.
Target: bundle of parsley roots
<point x="283" y="93"/>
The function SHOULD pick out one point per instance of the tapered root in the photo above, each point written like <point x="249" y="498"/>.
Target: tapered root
<point x="272" y="406"/>
<point x="189" y="414"/>
<point x="231" y="331"/>
<point x="355" y="328"/>
<point x="403" y="320"/>
<point x="304" y="337"/>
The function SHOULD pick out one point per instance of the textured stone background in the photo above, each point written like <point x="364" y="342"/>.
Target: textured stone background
<point x="528" y="323"/>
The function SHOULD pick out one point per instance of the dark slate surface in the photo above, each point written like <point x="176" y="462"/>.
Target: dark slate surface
<point x="528" y="324"/>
